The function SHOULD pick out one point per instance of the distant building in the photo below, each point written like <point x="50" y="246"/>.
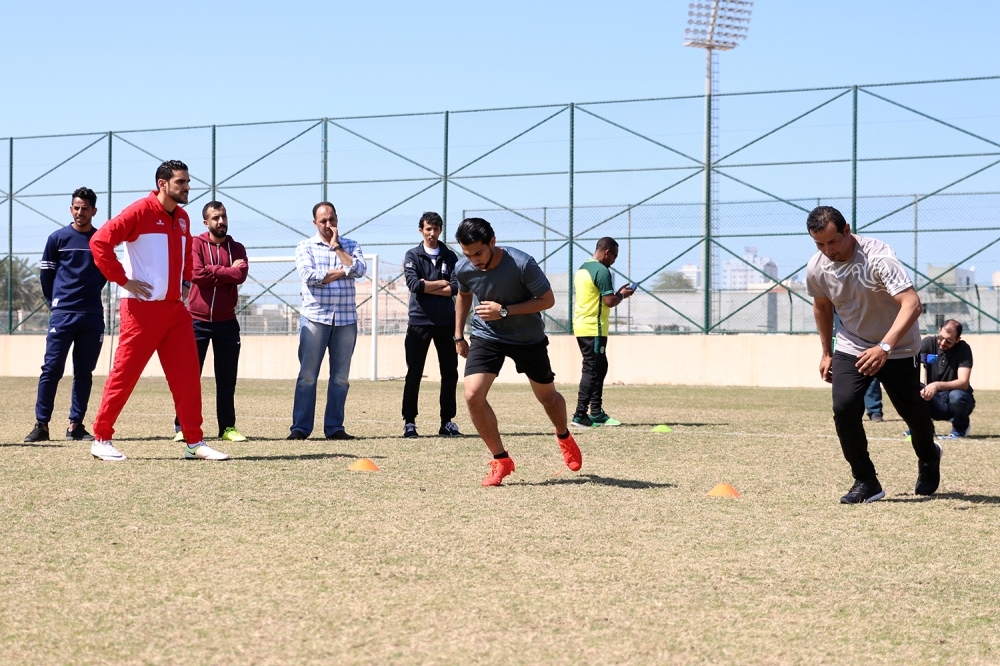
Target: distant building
<point x="740" y="275"/>
<point x="952" y="277"/>
<point x="692" y="274"/>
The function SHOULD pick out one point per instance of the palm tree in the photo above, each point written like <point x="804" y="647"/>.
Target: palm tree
<point x="25" y="296"/>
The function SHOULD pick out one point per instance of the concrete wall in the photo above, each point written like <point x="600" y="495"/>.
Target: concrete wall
<point x="715" y="360"/>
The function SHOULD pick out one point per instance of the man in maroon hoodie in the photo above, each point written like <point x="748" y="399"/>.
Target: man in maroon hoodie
<point x="220" y="266"/>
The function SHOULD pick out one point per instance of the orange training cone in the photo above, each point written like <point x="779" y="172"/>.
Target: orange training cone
<point x="723" y="490"/>
<point x="363" y="465"/>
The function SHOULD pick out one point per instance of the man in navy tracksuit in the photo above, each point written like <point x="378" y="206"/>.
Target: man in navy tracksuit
<point x="429" y="269"/>
<point x="72" y="285"/>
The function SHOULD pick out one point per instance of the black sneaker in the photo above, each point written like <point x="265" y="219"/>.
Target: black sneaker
<point x="929" y="475"/>
<point x="410" y="430"/>
<point x="40" y="433"/>
<point x="875" y="417"/>
<point x="339" y="434"/>
<point x="296" y="434"/>
<point x="79" y="434"/>
<point x="449" y="429"/>
<point x="863" y="492"/>
<point x="581" y="422"/>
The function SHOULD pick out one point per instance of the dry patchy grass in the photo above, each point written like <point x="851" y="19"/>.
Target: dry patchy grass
<point x="284" y="556"/>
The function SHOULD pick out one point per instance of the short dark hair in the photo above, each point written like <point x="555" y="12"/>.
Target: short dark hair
<point x="821" y="216"/>
<point x="955" y="324"/>
<point x="211" y="205"/>
<point x="432" y="219"/>
<point x="166" y="170"/>
<point x="321" y="204"/>
<point x="607" y="243"/>
<point x="87" y="195"/>
<point x="474" y="230"/>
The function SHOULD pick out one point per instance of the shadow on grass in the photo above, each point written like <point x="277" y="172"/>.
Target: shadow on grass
<point x="979" y="437"/>
<point x="583" y="479"/>
<point x="673" y="423"/>
<point x="290" y="456"/>
<point x="33" y="445"/>
<point x="964" y="497"/>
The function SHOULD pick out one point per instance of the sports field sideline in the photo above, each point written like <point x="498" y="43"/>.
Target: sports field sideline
<point x="282" y="555"/>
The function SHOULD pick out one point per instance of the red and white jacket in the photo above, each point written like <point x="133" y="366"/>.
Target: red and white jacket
<point x="157" y="248"/>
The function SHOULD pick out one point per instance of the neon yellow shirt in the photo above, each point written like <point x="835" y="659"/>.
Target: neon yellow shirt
<point x="590" y="314"/>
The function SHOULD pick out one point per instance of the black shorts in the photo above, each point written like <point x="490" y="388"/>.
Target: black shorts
<point x="487" y="356"/>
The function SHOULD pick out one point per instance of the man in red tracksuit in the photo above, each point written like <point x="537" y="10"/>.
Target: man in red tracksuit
<point x="220" y="267"/>
<point x="155" y="280"/>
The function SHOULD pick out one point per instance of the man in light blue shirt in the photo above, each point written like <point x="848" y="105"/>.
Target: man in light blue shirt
<point x="328" y="265"/>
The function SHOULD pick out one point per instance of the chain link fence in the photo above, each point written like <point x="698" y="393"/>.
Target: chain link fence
<point x="910" y="163"/>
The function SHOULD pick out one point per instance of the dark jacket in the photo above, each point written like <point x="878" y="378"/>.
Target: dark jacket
<point x="215" y="288"/>
<point x="426" y="309"/>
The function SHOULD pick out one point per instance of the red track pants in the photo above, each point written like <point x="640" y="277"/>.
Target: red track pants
<point x="163" y="327"/>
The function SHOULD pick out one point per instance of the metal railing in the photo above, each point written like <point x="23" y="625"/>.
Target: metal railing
<point x="900" y="160"/>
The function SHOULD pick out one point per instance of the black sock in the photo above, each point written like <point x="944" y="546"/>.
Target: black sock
<point x="500" y="456"/>
<point x="563" y="436"/>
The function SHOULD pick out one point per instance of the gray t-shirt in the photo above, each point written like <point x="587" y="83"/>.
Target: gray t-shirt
<point x="862" y="290"/>
<point x="516" y="279"/>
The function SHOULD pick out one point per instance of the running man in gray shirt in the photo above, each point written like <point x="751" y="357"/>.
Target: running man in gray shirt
<point x="861" y="280"/>
<point x="510" y="292"/>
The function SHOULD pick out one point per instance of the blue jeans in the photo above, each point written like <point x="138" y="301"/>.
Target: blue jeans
<point x="873" y="398"/>
<point x="314" y="340"/>
<point x="954" y="406"/>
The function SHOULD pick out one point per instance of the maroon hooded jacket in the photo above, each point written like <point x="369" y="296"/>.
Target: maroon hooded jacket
<point x="214" y="292"/>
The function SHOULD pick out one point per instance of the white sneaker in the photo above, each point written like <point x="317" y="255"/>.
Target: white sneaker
<point x="105" y="450"/>
<point x="203" y="451"/>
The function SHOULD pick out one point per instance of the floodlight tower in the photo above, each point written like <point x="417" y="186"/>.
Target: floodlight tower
<point x="714" y="25"/>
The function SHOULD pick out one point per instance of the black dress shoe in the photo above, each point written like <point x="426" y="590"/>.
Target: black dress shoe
<point x="295" y="434"/>
<point x="339" y="434"/>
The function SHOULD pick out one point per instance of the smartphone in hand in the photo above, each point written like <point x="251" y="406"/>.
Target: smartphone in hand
<point x="633" y="286"/>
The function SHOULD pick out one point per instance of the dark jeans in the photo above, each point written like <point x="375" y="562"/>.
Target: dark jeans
<point x="595" y="369"/>
<point x="954" y="406"/>
<point x="417" y="342"/>
<point x="225" y="339"/>
<point x="84" y="332"/>
<point x="873" y="398"/>
<point x="901" y="380"/>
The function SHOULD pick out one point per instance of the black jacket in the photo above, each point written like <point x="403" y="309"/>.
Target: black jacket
<point x="425" y="309"/>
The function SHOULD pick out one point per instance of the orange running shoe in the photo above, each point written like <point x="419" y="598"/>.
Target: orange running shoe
<point x="498" y="470"/>
<point x="571" y="452"/>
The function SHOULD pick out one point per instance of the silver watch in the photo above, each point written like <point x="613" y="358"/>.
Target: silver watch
<point x="503" y="312"/>
<point x="886" y="347"/>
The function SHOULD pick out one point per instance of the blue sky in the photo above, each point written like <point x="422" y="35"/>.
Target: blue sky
<point x="71" y="67"/>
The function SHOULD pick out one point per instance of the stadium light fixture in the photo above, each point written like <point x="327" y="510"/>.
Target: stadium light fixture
<point x="713" y="25"/>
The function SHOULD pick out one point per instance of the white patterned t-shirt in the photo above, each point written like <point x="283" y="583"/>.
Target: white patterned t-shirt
<point x="862" y="290"/>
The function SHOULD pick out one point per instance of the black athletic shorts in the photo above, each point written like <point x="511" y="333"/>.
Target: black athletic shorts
<point x="487" y="356"/>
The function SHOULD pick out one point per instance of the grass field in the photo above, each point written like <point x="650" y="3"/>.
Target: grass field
<point x="282" y="555"/>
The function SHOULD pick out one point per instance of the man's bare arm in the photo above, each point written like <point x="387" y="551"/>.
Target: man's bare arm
<point x="823" y="314"/>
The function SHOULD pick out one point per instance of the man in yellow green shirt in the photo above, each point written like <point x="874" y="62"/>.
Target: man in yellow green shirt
<point x="595" y="296"/>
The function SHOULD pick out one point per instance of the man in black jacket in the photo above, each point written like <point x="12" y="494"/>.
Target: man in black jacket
<point x="429" y="269"/>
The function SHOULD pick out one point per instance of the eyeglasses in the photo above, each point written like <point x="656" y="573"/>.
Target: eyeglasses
<point x="945" y="342"/>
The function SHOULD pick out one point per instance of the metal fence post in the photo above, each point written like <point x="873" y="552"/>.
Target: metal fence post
<point x="569" y="273"/>
<point x="444" y="184"/>
<point x="916" y="265"/>
<point x="109" y="320"/>
<point x="854" y="163"/>
<point x="213" y="163"/>
<point x="326" y="154"/>
<point x="10" y="241"/>
<point x="707" y="253"/>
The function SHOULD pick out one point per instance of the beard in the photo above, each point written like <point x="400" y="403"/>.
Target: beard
<point x="219" y="233"/>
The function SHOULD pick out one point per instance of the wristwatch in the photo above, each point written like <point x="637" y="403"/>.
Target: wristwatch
<point x="460" y="338"/>
<point x="503" y="312"/>
<point x="886" y="347"/>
